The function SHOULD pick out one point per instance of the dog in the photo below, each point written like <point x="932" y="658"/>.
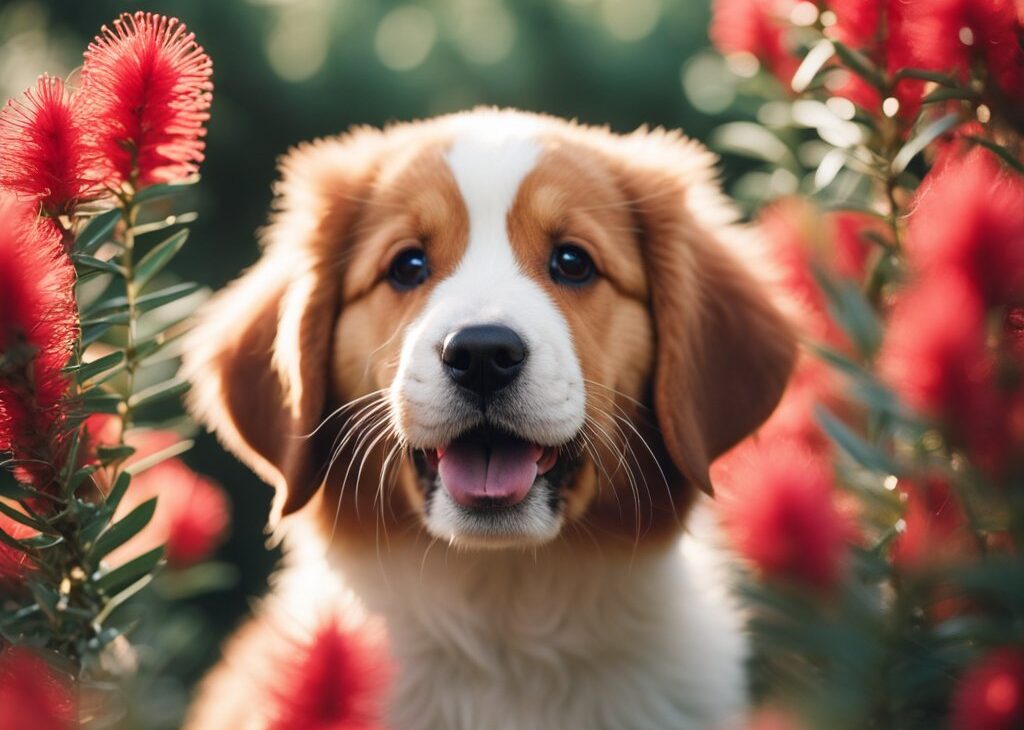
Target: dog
<point x="486" y="361"/>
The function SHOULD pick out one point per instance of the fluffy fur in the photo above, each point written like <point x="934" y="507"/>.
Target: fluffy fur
<point x="586" y="605"/>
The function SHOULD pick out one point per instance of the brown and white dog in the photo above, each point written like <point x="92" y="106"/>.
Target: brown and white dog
<point x="486" y="361"/>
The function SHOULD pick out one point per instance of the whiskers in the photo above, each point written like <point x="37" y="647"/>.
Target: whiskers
<point x="609" y="429"/>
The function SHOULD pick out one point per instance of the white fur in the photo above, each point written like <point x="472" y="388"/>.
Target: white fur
<point x="555" y="639"/>
<point x="489" y="287"/>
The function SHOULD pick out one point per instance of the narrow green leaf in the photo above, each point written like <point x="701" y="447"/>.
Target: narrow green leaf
<point x="165" y="223"/>
<point x="917" y="143"/>
<point x="97" y="232"/>
<point x="165" y="190"/>
<point x="166" y="296"/>
<point x="813" y="62"/>
<point x="84" y="262"/>
<point x="101" y="401"/>
<point x="867" y="455"/>
<point x="110" y="454"/>
<point x="123" y="530"/>
<point x="11" y="489"/>
<point x="93" y="332"/>
<point x="860" y="65"/>
<point x="154" y="261"/>
<point x="139" y="466"/>
<point x="120" y="578"/>
<point x="109" y="318"/>
<point x="157" y="393"/>
<point x="1004" y="154"/>
<point x="852" y="311"/>
<point x="24" y="519"/>
<point x="920" y="73"/>
<point x="117" y="491"/>
<point x="100" y="365"/>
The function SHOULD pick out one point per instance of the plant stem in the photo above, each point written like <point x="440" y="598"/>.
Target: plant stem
<point x="128" y="262"/>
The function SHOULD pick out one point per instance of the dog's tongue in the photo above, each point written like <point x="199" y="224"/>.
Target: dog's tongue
<point x="502" y="471"/>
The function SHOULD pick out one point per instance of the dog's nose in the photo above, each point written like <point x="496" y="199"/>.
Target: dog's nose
<point x="483" y="359"/>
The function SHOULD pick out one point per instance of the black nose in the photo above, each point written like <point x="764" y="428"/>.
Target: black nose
<point x="483" y="359"/>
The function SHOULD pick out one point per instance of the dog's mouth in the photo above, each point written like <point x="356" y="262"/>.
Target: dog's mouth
<point x="484" y="468"/>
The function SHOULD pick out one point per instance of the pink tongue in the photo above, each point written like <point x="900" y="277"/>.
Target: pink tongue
<point x="502" y="471"/>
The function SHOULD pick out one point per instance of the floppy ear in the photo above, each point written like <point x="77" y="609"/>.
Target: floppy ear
<point x="258" y="358"/>
<point x="724" y="352"/>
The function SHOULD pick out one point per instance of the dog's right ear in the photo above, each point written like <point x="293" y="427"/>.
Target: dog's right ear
<point x="259" y="355"/>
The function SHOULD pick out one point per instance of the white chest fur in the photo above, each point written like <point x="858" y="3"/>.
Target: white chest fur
<point x="557" y="639"/>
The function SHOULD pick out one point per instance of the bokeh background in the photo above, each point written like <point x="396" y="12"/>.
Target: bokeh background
<point x="290" y="70"/>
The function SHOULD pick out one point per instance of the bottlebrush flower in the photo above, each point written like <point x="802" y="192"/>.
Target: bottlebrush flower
<point x="934" y="351"/>
<point x="14" y="564"/>
<point x="756" y="27"/>
<point x="968" y="217"/>
<point x="936" y="533"/>
<point x="38" y="327"/>
<point x="192" y="512"/>
<point x="146" y="86"/>
<point x="42" y="153"/>
<point x="951" y="36"/>
<point x="990" y="696"/>
<point x="779" y="511"/>
<point x="335" y="682"/>
<point x="32" y="695"/>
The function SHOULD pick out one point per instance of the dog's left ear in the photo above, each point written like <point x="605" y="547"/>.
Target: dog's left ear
<point x="724" y="351"/>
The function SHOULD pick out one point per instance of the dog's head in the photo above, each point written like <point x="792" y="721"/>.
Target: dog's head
<point x="500" y="326"/>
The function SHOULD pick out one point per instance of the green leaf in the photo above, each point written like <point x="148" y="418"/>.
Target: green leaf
<point x="157" y="393"/>
<point x="100" y="365"/>
<point x="154" y="261"/>
<point x="97" y="400"/>
<point x="917" y="143"/>
<point x="97" y="232"/>
<point x="1004" y="154"/>
<point x="84" y="262"/>
<point x="12" y="489"/>
<point x="139" y="466"/>
<point x="124" y="530"/>
<point x="165" y="190"/>
<point x="920" y="73"/>
<point x="166" y="296"/>
<point x="24" y="519"/>
<point x="93" y="332"/>
<point x="117" y="491"/>
<point x="852" y="311"/>
<point x="813" y="62"/>
<point x="867" y="455"/>
<point x="134" y="570"/>
<point x="860" y="65"/>
<point x="752" y="140"/>
<point x="110" y="454"/>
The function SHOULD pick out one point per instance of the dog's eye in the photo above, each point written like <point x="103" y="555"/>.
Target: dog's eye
<point x="571" y="265"/>
<point x="408" y="269"/>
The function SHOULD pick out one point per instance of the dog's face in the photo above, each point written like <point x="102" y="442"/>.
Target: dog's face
<point x="499" y="327"/>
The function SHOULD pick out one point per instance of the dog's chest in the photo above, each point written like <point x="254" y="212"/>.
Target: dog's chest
<point x="554" y="641"/>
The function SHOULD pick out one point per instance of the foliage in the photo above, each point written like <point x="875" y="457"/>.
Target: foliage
<point x="83" y="324"/>
<point x="893" y="131"/>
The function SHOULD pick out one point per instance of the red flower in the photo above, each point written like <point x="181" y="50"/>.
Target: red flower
<point x="936" y="532"/>
<point x="969" y="218"/>
<point x="950" y="36"/>
<point x="32" y="695"/>
<point x="192" y="512"/>
<point x="990" y="695"/>
<point x="146" y="84"/>
<point x="43" y="153"/>
<point x="756" y="27"/>
<point x="934" y="351"/>
<point x="14" y="564"/>
<point x="334" y="682"/>
<point x="38" y="326"/>
<point x="780" y="513"/>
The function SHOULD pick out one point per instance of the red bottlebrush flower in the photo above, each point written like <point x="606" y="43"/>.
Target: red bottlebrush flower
<point x="968" y="217"/>
<point x="43" y="155"/>
<point x="990" y="696"/>
<point x="936" y="534"/>
<point x="146" y="84"/>
<point x="32" y="695"/>
<point x="335" y="682"/>
<point x="937" y="363"/>
<point x="38" y="327"/>
<point x="192" y="512"/>
<point x="756" y="27"/>
<point x="14" y="564"/>
<point x="780" y="513"/>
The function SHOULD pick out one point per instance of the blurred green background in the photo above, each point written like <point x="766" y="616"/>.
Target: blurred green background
<point x="290" y="70"/>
